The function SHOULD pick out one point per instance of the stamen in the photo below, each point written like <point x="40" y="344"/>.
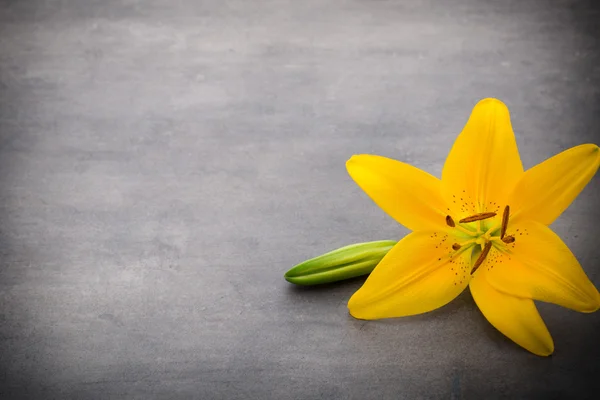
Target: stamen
<point x="478" y="217"/>
<point x="482" y="257"/>
<point x="456" y="246"/>
<point x="450" y="221"/>
<point x="504" y="221"/>
<point x="492" y="229"/>
<point x="467" y="231"/>
<point x="467" y="242"/>
<point x="508" y="239"/>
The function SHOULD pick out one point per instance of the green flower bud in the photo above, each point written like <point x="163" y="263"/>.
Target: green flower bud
<point x="343" y="263"/>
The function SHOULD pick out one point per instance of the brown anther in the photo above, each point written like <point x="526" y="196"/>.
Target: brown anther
<point x="481" y="257"/>
<point x="504" y="221"/>
<point x="508" y="239"/>
<point x="456" y="246"/>
<point x="478" y="217"/>
<point x="450" y="221"/>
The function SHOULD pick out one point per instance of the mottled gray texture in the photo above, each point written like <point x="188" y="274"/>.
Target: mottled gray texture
<point x="163" y="163"/>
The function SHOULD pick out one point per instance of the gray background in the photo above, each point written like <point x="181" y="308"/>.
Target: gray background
<point x="163" y="163"/>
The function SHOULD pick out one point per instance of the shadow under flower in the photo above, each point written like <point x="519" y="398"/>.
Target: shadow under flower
<point x="346" y="288"/>
<point x="335" y="295"/>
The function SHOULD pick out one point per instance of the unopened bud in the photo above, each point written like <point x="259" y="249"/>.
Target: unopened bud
<point x="344" y="263"/>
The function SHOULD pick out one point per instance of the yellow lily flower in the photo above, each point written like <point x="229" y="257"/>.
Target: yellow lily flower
<point x="485" y="225"/>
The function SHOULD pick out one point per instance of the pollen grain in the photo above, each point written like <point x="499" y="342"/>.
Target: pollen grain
<point x="481" y="257"/>
<point x="478" y="217"/>
<point x="504" y="221"/>
<point x="508" y="239"/>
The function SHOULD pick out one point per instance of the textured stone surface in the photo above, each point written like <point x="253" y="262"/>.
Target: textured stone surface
<point x="163" y="163"/>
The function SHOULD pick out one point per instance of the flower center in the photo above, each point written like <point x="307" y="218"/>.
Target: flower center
<point x="472" y="227"/>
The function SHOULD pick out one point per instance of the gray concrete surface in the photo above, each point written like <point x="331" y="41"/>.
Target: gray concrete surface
<point x="163" y="163"/>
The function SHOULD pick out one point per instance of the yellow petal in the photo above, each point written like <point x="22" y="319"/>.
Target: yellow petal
<point x="484" y="163"/>
<point x="421" y="273"/>
<point x="547" y="189"/>
<point x="540" y="266"/>
<point x="515" y="317"/>
<point x="408" y="194"/>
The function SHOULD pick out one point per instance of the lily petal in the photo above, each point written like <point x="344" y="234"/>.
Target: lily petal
<point x="419" y="274"/>
<point x="517" y="318"/>
<point x="547" y="189"/>
<point x="540" y="266"/>
<point x="484" y="163"/>
<point x="409" y="195"/>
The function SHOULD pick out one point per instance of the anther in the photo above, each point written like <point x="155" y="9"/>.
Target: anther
<point x="450" y="221"/>
<point x="508" y="239"/>
<point x="482" y="256"/>
<point x="504" y="221"/>
<point x="456" y="246"/>
<point x="478" y="217"/>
